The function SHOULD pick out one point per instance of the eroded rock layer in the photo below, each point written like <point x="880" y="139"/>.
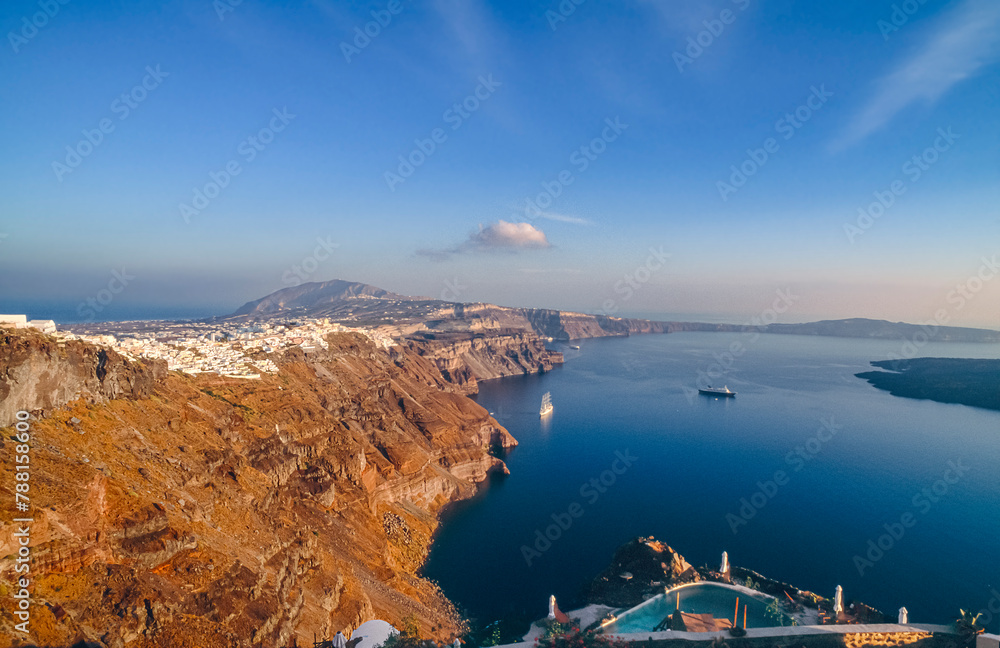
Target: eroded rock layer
<point x="173" y="510"/>
<point x="464" y="358"/>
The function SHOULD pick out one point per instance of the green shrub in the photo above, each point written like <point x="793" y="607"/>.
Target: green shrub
<point x="580" y="640"/>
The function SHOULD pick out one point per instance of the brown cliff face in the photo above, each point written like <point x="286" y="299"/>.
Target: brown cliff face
<point x="223" y="512"/>
<point x="546" y="323"/>
<point x="465" y="357"/>
<point x="39" y="373"/>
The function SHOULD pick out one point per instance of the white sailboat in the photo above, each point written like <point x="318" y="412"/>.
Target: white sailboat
<point x="546" y="404"/>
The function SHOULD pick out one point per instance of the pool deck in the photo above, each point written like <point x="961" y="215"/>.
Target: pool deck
<point x="786" y="631"/>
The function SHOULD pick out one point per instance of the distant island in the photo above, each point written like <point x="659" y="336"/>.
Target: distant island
<point x="965" y="381"/>
<point x="882" y="329"/>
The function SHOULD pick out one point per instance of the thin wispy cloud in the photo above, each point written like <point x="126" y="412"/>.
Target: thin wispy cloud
<point x="495" y="237"/>
<point x="569" y="271"/>
<point x="967" y="39"/>
<point x="528" y="211"/>
<point x="471" y="39"/>
<point x="563" y="218"/>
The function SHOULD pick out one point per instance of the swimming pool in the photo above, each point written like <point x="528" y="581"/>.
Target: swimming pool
<point x="701" y="598"/>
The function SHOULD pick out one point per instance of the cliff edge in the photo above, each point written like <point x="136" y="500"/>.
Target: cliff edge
<point x="172" y="509"/>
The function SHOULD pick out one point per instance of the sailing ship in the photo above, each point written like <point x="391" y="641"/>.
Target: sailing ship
<point x="546" y="404"/>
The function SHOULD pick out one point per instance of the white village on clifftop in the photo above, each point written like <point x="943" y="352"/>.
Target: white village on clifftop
<point x="199" y="347"/>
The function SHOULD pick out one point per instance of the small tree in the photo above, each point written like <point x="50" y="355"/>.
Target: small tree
<point x="492" y="637"/>
<point x="407" y="637"/>
<point x="555" y="628"/>
<point x="968" y="627"/>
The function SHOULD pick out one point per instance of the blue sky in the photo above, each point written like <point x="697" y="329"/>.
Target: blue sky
<point x="647" y="109"/>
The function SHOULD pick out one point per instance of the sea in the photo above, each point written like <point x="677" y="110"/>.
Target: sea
<point x="65" y="312"/>
<point x="810" y="476"/>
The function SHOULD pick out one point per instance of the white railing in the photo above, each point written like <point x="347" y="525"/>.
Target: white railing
<point x="988" y="641"/>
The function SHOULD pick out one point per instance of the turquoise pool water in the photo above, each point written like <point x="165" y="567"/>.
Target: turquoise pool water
<point x="703" y="598"/>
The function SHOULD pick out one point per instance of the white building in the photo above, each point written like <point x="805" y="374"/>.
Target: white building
<point x="45" y="326"/>
<point x="16" y="321"/>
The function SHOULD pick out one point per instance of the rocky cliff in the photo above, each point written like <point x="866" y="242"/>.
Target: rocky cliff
<point x="173" y="510"/>
<point x="648" y="564"/>
<point x="37" y="372"/>
<point x="464" y="358"/>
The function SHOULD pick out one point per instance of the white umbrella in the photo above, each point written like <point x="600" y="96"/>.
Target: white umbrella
<point x="904" y="616"/>
<point x="725" y="563"/>
<point x="340" y="641"/>
<point x="552" y="606"/>
<point x="838" y="600"/>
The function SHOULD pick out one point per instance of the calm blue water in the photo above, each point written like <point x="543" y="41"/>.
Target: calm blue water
<point x="695" y="458"/>
<point x="76" y="312"/>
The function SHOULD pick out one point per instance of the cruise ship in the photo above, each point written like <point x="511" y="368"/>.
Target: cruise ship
<point x="716" y="391"/>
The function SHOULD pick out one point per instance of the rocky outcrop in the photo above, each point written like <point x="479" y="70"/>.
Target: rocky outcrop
<point x="464" y="357"/>
<point x="224" y="512"/>
<point x="37" y="373"/>
<point x="639" y="567"/>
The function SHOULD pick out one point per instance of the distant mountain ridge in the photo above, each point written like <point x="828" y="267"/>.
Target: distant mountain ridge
<point x="313" y="295"/>
<point x="369" y="305"/>
<point x="882" y="329"/>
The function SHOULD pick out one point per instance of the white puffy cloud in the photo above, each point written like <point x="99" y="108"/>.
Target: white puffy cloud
<point x="504" y="235"/>
<point x="499" y="236"/>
